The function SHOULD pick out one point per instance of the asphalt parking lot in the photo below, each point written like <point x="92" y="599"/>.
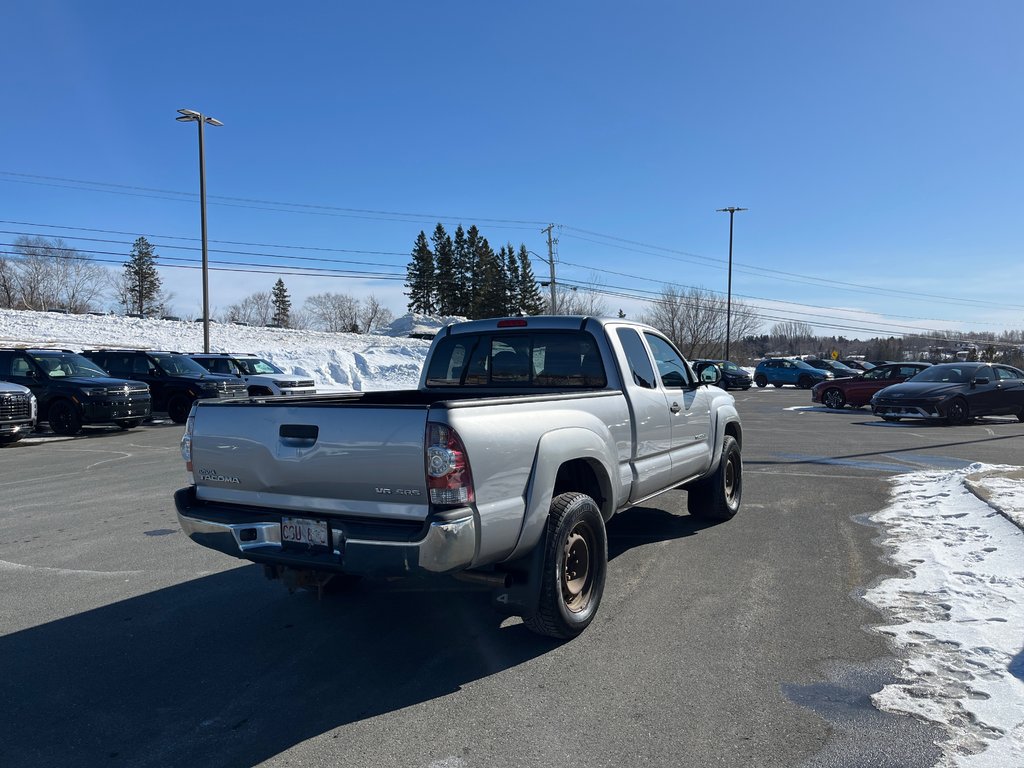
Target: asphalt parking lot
<point x="740" y="644"/>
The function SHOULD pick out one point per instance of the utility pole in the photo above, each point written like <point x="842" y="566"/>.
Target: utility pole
<point x="728" y="306"/>
<point x="551" y="265"/>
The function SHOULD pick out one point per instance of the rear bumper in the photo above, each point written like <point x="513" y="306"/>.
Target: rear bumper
<point x="444" y="543"/>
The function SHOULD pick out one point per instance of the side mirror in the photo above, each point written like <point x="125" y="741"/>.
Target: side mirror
<point x="978" y="381"/>
<point x="710" y="374"/>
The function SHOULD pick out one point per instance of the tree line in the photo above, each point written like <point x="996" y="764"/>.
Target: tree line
<point x="462" y="276"/>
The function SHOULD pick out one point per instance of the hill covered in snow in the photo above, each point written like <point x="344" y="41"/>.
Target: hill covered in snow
<point x="342" y="361"/>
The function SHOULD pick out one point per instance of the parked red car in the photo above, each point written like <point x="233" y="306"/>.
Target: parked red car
<point x="856" y="392"/>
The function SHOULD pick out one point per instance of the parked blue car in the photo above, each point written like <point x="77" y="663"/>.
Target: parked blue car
<point x="781" y="371"/>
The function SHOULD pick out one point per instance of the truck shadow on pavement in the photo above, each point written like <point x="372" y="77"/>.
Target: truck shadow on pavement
<point x="230" y="669"/>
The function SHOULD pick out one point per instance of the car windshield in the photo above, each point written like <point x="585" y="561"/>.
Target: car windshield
<point x="61" y="364"/>
<point x="953" y="374"/>
<point x="179" y="365"/>
<point x="731" y="367"/>
<point x="254" y="365"/>
<point x="840" y="368"/>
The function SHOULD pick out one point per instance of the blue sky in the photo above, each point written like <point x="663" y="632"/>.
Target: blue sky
<point x="876" y="145"/>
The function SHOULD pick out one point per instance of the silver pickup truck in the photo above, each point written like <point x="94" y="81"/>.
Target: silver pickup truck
<point x="522" y="440"/>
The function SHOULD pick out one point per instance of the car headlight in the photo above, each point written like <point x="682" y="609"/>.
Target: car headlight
<point x="208" y="387"/>
<point x="94" y="391"/>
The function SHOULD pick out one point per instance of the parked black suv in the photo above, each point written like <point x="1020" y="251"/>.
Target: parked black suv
<point x="72" y="391"/>
<point x="175" y="380"/>
<point x="733" y="377"/>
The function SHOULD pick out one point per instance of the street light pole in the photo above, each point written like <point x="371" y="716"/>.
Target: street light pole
<point x="728" y="306"/>
<point x="188" y="116"/>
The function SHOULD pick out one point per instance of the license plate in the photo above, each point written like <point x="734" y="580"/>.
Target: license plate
<point x="300" y="530"/>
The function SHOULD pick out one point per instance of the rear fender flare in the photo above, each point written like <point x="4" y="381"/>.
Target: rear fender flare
<point x="727" y="421"/>
<point x="554" y="449"/>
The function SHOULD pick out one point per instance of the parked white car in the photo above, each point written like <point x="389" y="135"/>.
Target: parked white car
<point x="260" y="376"/>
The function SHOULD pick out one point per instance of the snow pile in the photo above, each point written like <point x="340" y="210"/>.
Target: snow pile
<point x="419" y="326"/>
<point x="335" y="361"/>
<point x="959" y="610"/>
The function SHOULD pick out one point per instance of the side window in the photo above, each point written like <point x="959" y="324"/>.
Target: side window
<point x="985" y="372"/>
<point x="9" y="366"/>
<point x="671" y="367"/>
<point x="636" y="355"/>
<point x="1007" y="374"/>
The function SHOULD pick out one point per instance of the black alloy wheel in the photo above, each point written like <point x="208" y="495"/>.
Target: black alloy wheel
<point x="64" y="418"/>
<point x="833" y="398"/>
<point x="957" y="413"/>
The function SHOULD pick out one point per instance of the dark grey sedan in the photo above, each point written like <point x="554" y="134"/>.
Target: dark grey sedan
<point x="954" y="393"/>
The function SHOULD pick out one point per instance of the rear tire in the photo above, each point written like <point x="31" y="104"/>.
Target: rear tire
<point x="64" y="418"/>
<point x="575" y="568"/>
<point x="717" y="498"/>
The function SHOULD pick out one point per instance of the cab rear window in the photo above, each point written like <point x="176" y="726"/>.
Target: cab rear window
<point x="531" y="359"/>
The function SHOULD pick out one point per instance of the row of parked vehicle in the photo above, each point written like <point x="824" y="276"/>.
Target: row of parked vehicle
<point x="124" y="387"/>
<point x="950" y="393"/>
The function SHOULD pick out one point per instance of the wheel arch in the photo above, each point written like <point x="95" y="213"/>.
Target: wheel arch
<point x="570" y="459"/>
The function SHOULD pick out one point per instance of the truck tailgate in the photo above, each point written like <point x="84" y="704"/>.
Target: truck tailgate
<point x="330" y="458"/>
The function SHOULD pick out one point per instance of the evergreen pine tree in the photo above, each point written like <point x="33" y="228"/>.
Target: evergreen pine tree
<point x="282" y="305"/>
<point x="489" y="275"/>
<point x="530" y="300"/>
<point x="444" y="272"/>
<point x="462" y="269"/>
<point x="474" y="272"/>
<point x="420" y="277"/>
<point x="141" y="280"/>
<point x="513" y="300"/>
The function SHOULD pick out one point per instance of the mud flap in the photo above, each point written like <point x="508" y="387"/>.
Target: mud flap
<point x="523" y="596"/>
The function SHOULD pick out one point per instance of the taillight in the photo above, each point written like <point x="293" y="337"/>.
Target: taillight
<point x="448" y="477"/>
<point x="186" y="439"/>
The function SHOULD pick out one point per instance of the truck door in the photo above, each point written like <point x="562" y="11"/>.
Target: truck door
<point x="690" y="410"/>
<point x="651" y="417"/>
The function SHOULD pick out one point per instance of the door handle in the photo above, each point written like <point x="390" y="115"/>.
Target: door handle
<point x="675" y="408"/>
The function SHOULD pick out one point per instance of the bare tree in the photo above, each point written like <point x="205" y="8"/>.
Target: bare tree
<point x="578" y="301"/>
<point x="373" y="315"/>
<point x="695" y="319"/>
<point x="790" y="336"/>
<point x="8" y="283"/>
<point x="255" y="309"/>
<point x="333" y="312"/>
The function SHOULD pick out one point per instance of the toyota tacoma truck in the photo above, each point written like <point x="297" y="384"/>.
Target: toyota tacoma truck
<point x="523" y="438"/>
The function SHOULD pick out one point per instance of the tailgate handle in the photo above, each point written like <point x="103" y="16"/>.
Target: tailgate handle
<point x="300" y="431"/>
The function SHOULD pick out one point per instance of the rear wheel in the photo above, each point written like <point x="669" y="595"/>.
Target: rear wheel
<point x="178" y="408"/>
<point x="64" y="418"/>
<point x="957" y="412"/>
<point x="575" y="567"/>
<point x="761" y="380"/>
<point x="718" y="497"/>
<point x="833" y="398"/>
